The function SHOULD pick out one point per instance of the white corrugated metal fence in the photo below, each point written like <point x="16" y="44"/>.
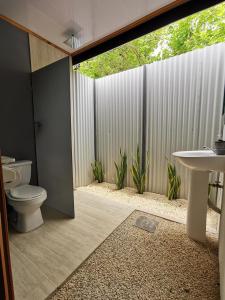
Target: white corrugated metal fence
<point x="184" y="106"/>
<point x="119" y="100"/>
<point x="83" y="122"/>
<point x="183" y="96"/>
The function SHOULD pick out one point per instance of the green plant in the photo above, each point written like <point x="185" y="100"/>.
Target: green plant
<point x="174" y="182"/>
<point x="98" y="171"/>
<point x="121" y="170"/>
<point x="139" y="173"/>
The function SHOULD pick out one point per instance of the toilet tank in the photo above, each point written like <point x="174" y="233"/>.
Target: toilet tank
<point x="23" y="167"/>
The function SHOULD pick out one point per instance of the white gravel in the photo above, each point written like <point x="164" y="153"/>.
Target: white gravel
<point x="156" y="204"/>
<point x="134" y="264"/>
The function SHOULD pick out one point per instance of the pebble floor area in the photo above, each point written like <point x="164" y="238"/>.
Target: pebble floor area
<point x="135" y="264"/>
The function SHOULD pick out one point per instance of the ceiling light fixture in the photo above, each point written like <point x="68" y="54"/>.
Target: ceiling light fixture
<point x="72" y="42"/>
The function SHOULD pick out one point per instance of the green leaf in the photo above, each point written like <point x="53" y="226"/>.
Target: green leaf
<point x="121" y="170"/>
<point x="174" y="182"/>
<point x="98" y="171"/>
<point x="138" y="173"/>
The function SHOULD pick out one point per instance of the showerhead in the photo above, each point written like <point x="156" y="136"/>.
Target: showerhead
<point x="72" y="41"/>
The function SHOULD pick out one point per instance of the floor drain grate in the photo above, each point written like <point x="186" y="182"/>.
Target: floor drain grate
<point x="146" y="224"/>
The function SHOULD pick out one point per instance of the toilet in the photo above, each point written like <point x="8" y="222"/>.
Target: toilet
<point x="26" y="199"/>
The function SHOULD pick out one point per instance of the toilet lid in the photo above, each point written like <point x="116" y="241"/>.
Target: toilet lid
<point x="26" y="191"/>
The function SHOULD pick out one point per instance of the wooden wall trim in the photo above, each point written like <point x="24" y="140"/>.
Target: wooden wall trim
<point x="23" y="28"/>
<point x="132" y="25"/>
<point x="4" y="288"/>
<point x="4" y="244"/>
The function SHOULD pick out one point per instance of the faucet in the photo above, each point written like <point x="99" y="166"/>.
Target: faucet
<point x="207" y="148"/>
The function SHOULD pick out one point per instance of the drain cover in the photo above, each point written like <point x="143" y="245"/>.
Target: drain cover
<point x="146" y="224"/>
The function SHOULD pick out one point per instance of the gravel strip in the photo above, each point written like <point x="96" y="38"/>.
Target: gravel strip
<point x="135" y="264"/>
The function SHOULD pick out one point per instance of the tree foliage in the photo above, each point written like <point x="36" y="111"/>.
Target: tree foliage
<point x="196" y="31"/>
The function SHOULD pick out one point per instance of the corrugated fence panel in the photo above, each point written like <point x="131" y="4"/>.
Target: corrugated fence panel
<point x="83" y="112"/>
<point x="184" y="106"/>
<point x="184" y="97"/>
<point x="212" y="93"/>
<point x="119" y="105"/>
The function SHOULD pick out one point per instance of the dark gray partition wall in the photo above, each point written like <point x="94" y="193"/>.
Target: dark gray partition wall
<point x="16" y="110"/>
<point x="51" y="97"/>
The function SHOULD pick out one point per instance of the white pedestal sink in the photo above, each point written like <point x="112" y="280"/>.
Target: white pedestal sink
<point x="201" y="163"/>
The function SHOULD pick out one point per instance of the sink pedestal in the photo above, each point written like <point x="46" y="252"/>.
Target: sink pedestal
<point x="197" y="205"/>
<point x="201" y="163"/>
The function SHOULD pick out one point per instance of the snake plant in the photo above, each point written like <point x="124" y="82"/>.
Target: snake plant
<point x="174" y="182"/>
<point x="121" y="170"/>
<point x="139" y="173"/>
<point x="98" y="171"/>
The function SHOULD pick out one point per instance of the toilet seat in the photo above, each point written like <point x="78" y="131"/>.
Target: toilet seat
<point x="31" y="195"/>
<point x="26" y="191"/>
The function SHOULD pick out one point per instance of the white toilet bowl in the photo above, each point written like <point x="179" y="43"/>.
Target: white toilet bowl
<point x="24" y="198"/>
<point x="26" y="201"/>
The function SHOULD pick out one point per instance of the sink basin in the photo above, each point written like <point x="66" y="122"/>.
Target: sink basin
<point x="203" y="160"/>
<point x="200" y="164"/>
